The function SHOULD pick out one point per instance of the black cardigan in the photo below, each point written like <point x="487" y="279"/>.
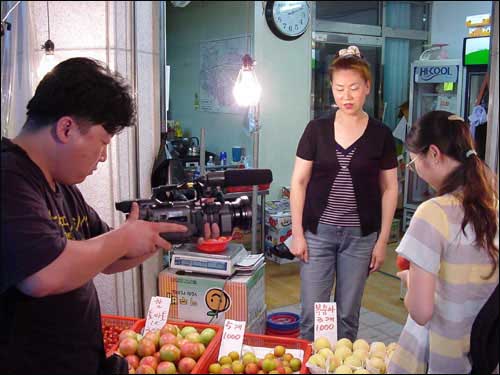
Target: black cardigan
<point x="375" y="151"/>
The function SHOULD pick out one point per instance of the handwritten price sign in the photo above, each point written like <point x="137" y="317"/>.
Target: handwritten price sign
<point x="157" y="313"/>
<point x="325" y="321"/>
<point x="232" y="337"/>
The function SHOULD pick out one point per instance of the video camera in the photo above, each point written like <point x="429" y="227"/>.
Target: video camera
<point x="185" y="204"/>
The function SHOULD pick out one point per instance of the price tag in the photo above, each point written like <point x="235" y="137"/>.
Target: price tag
<point x="232" y="337"/>
<point x="325" y="321"/>
<point x="157" y="313"/>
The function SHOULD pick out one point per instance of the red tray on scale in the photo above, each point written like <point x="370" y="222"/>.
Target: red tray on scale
<point x="214" y="245"/>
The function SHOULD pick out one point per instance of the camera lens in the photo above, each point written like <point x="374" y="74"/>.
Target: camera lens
<point x="241" y="212"/>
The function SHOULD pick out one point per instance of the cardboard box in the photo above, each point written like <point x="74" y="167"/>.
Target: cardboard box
<point x="285" y="192"/>
<point x="280" y="220"/>
<point x="258" y="325"/>
<point x="276" y="236"/>
<point x="211" y="299"/>
<point x="244" y="237"/>
<point x="277" y="206"/>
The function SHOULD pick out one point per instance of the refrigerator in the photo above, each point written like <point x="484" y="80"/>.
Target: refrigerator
<point x="435" y="85"/>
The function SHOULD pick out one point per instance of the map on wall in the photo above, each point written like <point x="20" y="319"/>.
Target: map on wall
<point x="220" y="62"/>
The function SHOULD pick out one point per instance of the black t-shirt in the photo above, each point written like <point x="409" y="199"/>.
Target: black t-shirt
<point x="375" y="151"/>
<point x="59" y="333"/>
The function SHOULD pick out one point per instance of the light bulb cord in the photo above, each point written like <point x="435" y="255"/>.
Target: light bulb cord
<point x="48" y="19"/>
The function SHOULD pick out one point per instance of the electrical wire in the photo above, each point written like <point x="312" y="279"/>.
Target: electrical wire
<point x="10" y="11"/>
<point x="48" y="19"/>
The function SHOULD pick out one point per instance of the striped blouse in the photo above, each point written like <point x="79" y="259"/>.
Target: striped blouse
<point x="435" y="242"/>
<point x="341" y="208"/>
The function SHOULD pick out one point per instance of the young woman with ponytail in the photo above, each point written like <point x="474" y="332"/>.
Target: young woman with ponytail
<point x="452" y="246"/>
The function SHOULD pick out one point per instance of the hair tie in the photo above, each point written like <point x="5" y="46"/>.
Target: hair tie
<point x="455" y="118"/>
<point x="470" y="153"/>
<point x="349" y="51"/>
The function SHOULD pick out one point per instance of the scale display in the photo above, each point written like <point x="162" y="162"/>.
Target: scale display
<point x="188" y="258"/>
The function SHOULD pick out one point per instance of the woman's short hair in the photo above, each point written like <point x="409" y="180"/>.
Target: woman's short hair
<point x="350" y="59"/>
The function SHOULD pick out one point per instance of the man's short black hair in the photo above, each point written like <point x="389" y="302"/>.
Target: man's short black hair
<point x="84" y="88"/>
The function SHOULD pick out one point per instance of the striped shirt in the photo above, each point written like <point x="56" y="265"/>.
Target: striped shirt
<point x="341" y="208"/>
<point x="435" y="242"/>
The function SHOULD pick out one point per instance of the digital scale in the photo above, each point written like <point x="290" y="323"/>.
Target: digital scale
<point x="189" y="258"/>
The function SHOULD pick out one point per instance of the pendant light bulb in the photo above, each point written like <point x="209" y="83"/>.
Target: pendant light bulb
<point x="48" y="59"/>
<point x="247" y="89"/>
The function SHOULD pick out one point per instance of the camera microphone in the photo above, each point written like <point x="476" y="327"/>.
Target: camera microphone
<point x="238" y="177"/>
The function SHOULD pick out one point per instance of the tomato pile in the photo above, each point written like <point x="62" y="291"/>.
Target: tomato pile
<point x="110" y="333"/>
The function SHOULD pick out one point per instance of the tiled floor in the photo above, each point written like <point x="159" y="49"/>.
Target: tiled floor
<point x="372" y="326"/>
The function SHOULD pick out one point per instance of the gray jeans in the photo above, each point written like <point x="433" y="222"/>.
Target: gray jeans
<point x="341" y="254"/>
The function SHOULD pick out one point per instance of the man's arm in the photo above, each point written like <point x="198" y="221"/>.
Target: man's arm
<point x="124" y="264"/>
<point x="80" y="261"/>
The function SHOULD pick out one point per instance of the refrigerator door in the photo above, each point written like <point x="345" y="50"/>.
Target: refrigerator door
<point x="436" y="85"/>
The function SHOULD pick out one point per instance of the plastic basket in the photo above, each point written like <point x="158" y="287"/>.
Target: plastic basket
<point x="213" y="346"/>
<point x="122" y="322"/>
<point x="270" y="342"/>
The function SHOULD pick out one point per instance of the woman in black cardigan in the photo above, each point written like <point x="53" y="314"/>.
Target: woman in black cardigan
<point x="343" y="197"/>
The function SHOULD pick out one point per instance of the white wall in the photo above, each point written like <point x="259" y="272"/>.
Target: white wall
<point x="448" y="22"/>
<point x="284" y="70"/>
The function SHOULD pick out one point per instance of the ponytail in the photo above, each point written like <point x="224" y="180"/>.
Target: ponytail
<point x="479" y="200"/>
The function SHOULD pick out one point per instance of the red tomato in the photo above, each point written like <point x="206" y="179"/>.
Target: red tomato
<point x="402" y="263"/>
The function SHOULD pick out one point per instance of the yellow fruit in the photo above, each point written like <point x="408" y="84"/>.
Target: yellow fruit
<point x="325" y="352"/>
<point x="334" y="363"/>
<point x="380" y="355"/>
<point x="361" y="371"/>
<point x="225" y="360"/>
<point x="295" y="364"/>
<point x="234" y="356"/>
<point x="377" y="346"/>
<point x="392" y="346"/>
<point x="238" y="367"/>
<point x="321" y="343"/>
<point x="352" y="361"/>
<point x="249" y="358"/>
<point x="214" y="368"/>
<point x="344" y="342"/>
<point x="317" y="360"/>
<point x="287" y="357"/>
<point x="342" y="369"/>
<point x="360" y="344"/>
<point x="279" y="350"/>
<point x="362" y="354"/>
<point x="343" y="352"/>
<point x="376" y="363"/>
<point x="269" y="356"/>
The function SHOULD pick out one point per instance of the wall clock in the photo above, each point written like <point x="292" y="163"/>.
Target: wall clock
<point x="288" y="20"/>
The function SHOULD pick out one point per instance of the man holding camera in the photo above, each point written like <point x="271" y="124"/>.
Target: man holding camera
<point x="53" y="242"/>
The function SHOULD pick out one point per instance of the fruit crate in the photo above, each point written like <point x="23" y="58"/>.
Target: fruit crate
<point x="116" y="324"/>
<point x="213" y="346"/>
<point x="264" y="341"/>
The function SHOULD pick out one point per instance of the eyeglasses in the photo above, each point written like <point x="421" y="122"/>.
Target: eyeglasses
<point x="411" y="164"/>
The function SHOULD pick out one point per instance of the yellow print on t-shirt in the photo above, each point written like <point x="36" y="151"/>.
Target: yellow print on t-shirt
<point x="71" y="227"/>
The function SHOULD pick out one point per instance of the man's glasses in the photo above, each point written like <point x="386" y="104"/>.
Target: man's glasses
<point x="411" y="164"/>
